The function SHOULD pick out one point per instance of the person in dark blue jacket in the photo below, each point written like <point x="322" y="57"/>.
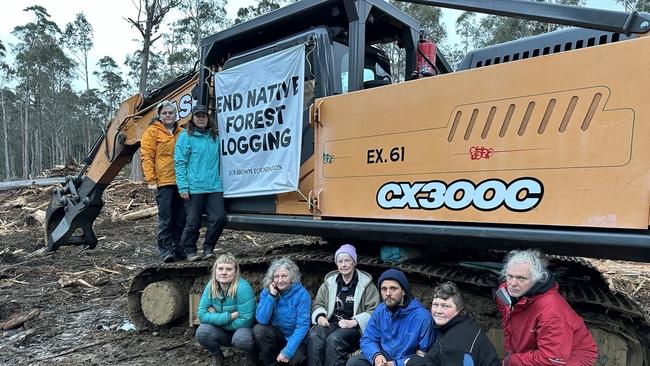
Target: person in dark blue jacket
<point x="196" y="162"/>
<point x="398" y="328"/>
<point x="282" y="315"/>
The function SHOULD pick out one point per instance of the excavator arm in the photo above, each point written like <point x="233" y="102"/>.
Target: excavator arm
<point x="75" y="206"/>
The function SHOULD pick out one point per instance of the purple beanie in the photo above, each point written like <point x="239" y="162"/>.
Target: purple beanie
<point x="347" y="249"/>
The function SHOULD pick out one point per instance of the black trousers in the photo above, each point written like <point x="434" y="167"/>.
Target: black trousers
<point x="212" y="204"/>
<point x="171" y="221"/>
<point x="330" y="346"/>
<point x="270" y="341"/>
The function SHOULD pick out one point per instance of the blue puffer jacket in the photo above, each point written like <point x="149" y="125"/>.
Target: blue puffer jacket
<point x="397" y="335"/>
<point x="244" y="303"/>
<point x="289" y="312"/>
<point x="196" y="163"/>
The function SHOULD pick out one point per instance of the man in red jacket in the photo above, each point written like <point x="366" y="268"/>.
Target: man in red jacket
<point x="539" y="326"/>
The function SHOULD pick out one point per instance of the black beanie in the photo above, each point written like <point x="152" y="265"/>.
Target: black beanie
<point x="395" y="275"/>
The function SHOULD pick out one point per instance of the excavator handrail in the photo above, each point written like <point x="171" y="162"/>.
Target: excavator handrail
<point x="601" y="19"/>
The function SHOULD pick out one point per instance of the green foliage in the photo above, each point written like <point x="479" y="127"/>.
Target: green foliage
<point x="638" y="5"/>
<point x="78" y="37"/>
<point x="262" y="7"/>
<point x="493" y="29"/>
<point x="181" y="46"/>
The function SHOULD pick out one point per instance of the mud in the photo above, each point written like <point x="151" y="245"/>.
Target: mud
<point x="81" y="294"/>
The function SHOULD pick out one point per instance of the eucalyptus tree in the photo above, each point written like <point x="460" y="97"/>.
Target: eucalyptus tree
<point x="43" y="71"/>
<point x="78" y="37"/>
<point x="151" y="14"/>
<point x="112" y="84"/>
<point x="262" y="7"/>
<point x="5" y="94"/>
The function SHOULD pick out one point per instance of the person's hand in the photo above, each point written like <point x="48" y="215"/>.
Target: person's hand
<point x="323" y="322"/>
<point x="184" y="195"/>
<point x="380" y="360"/>
<point x="282" y="358"/>
<point x="344" y="323"/>
<point x="153" y="188"/>
<point x="273" y="289"/>
<point x="234" y="315"/>
<point x="211" y="309"/>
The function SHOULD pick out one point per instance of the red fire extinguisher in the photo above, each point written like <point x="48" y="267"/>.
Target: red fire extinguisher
<point x="425" y="59"/>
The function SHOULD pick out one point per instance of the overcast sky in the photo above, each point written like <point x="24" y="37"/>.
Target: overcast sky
<point x="114" y="37"/>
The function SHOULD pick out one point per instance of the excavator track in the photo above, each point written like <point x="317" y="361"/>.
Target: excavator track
<point x="619" y="325"/>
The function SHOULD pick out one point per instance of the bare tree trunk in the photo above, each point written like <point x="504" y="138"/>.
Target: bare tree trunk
<point x="25" y="122"/>
<point x="5" y="142"/>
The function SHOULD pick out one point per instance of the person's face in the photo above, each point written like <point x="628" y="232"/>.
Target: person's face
<point x="168" y="116"/>
<point x="519" y="279"/>
<point x="345" y="264"/>
<point x="225" y="273"/>
<point x="282" y="279"/>
<point x="392" y="293"/>
<point x="443" y="310"/>
<point x="200" y="120"/>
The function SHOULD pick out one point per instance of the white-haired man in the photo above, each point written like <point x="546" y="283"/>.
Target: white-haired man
<point x="539" y="326"/>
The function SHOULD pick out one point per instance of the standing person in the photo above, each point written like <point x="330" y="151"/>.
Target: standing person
<point x="460" y="342"/>
<point x="282" y="315"/>
<point x="398" y="328"/>
<point x="157" y="151"/>
<point x="226" y="310"/>
<point x="529" y="299"/>
<point x="196" y="160"/>
<point x="341" y="310"/>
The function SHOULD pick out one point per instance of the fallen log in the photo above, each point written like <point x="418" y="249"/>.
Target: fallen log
<point x="19" y="319"/>
<point x="42" y="182"/>
<point x="147" y="212"/>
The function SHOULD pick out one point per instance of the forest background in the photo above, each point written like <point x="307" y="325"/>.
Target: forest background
<point x="55" y="100"/>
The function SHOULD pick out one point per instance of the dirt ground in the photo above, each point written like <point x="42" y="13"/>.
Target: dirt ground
<point x="76" y="299"/>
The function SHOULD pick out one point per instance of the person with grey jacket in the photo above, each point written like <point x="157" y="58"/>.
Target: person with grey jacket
<point x="341" y="310"/>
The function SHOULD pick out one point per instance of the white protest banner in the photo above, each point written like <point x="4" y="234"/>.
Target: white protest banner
<point x="259" y="112"/>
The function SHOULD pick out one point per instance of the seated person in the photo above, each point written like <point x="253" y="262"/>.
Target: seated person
<point x="398" y="328"/>
<point x="460" y="342"/>
<point x="529" y="299"/>
<point x="341" y="310"/>
<point x="226" y="310"/>
<point x="283" y="315"/>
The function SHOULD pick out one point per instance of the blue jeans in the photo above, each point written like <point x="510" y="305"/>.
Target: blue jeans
<point x="212" y="338"/>
<point x="171" y="221"/>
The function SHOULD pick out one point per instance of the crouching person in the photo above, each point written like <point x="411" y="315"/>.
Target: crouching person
<point x="460" y="342"/>
<point x="282" y="315"/>
<point x="341" y="310"/>
<point x="398" y="328"/>
<point x="226" y="310"/>
<point x="529" y="299"/>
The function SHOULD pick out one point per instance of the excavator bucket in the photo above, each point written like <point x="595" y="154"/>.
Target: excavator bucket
<point x="69" y="220"/>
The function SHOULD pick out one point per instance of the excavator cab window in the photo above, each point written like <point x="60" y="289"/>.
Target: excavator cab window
<point x="376" y="69"/>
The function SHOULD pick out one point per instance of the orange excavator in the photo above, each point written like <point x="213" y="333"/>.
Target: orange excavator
<point x="540" y="142"/>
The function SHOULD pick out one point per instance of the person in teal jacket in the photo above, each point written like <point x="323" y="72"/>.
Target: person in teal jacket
<point x="196" y="163"/>
<point x="282" y="315"/>
<point x="226" y="310"/>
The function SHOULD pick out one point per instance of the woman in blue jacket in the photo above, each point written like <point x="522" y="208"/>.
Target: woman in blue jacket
<point x="282" y="315"/>
<point x="226" y="310"/>
<point x="196" y="162"/>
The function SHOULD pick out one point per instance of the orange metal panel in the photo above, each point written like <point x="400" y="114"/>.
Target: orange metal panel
<point x="576" y="124"/>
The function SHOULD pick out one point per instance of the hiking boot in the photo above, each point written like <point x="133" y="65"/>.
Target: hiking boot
<point x="208" y="253"/>
<point x="218" y="360"/>
<point x="168" y="258"/>
<point x="194" y="258"/>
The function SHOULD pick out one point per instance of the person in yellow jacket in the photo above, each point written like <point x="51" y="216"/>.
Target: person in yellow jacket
<point x="157" y="152"/>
